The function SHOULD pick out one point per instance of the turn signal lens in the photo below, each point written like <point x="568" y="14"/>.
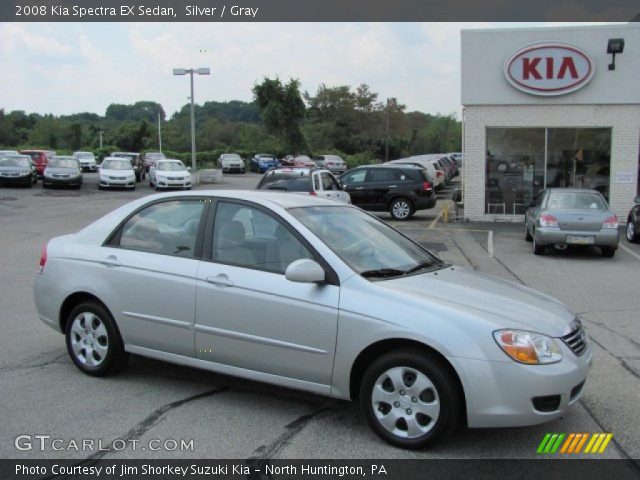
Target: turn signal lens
<point x="528" y="347"/>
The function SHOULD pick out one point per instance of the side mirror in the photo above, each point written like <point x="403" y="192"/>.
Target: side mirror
<point x="637" y="199"/>
<point x="305" y="271"/>
<point x="188" y="169"/>
<point x="344" y="186"/>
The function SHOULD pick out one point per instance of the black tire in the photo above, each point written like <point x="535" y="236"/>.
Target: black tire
<point x="537" y="248"/>
<point x="115" y="358"/>
<point x="631" y="232"/>
<point x="29" y="184"/>
<point x="401" y="204"/>
<point x="527" y="234"/>
<point x="450" y="401"/>
<point x="608" y="251"/>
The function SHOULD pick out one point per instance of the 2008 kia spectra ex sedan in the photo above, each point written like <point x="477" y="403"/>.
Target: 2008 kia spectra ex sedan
<point x="307" y="293"/>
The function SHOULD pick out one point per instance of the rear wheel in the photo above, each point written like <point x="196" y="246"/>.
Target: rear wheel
<point x="537" y="248"/>
<point x="409" y="399"/>
<point x="631" y="233"/>
<point x="608" y="251"/>
<point x="93" y="340"/>
<point x="401" y="208"/>
<point x="527" y="235"/>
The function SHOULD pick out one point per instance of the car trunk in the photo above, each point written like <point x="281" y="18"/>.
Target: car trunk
<point x="582" y="220"/>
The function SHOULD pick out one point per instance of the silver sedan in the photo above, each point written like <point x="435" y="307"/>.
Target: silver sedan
<point x="307" y="293"/>
<point x="571" y="216"/>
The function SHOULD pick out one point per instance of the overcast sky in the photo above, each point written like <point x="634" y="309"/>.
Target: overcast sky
<point x="66" y="68"/>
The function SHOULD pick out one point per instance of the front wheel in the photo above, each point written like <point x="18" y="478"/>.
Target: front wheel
<point x="631" y="233"/>
<point x="93" y="340"/>
<point x="401" y="209"/>
<point x="410" y="399"/>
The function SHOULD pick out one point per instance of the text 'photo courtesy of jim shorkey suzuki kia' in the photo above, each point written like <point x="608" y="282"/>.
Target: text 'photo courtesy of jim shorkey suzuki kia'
<point x="308" y="293"/>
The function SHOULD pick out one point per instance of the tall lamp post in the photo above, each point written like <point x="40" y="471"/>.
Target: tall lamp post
<point x="191" y="71"/>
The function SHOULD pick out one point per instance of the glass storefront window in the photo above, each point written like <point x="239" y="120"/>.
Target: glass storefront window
<point x="514" y="169"/>
<point x="521" y="161"/>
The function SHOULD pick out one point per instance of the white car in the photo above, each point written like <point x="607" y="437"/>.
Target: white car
<point x="169" y="174"/>
<point x="116" y="172"/>
<point x="318" y="182"/>
<point x="231" y="162"/>
<point x="436" y="179"/>
<point x="87" y="161"/>
<point x="333" y="163"/>
<point x="11" y="153"/>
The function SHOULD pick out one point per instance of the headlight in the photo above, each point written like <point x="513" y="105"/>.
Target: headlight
<point x="528" y="347"/>
<point x="48" y="174"/>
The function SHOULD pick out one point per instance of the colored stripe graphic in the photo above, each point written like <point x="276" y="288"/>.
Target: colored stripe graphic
<point x="573" y="443"/>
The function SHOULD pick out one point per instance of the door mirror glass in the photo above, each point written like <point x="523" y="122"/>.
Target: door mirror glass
<point x="637" y="199"/>
<point x="305" y="271"/>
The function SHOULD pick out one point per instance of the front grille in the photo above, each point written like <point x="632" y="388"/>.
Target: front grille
<point x="61" y="175"/>
<point x="117" y="178"/>
<point x="576" y="340"/>
<point x="174" y="178"/>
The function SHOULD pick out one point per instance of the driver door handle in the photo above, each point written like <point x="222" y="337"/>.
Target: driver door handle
<point x="220" y="281"/>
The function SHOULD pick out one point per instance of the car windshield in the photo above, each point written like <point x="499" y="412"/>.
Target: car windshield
<point x="117" y="165"/>
<point x="575" y="201"/>
<point x="155" y="156"/>
<point x="85" y="155"/>
<point x="171" y="166"/>
<point x="63" y="163"/>
<point x="125" y="155"/>
<point x="292" y="181"/>
<point x="14" y="161"/>
<point x="369" y="246"/>
<point x="231" y="156"/>
<point x="266" y="157"/>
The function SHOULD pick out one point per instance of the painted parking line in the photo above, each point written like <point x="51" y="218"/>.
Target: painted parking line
<point x="629" y="251"/>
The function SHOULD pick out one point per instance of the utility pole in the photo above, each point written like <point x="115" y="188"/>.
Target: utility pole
<point x="386" y="132"/>
<point x="100" y="132"/>
<point x="159" y="134"/>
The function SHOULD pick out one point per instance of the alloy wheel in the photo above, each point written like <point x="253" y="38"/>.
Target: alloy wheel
<point x="401" y="209"/>
<point x="631" y="231"/>
<point x="405" y="402"/>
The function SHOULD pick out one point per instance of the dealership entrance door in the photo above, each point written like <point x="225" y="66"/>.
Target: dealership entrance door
<point x="522" y="161"/>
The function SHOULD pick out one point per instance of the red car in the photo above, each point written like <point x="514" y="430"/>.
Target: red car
<point x="298" y="161"/>
<point x="40" y="159"/>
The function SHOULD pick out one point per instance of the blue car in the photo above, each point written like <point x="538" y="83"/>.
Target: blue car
<point x="261" y="162"/>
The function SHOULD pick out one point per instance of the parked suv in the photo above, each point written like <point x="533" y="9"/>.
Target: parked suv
<point x="136" y="163"/>
<point x="311" y="181"/>
<point x="399" y="189"/>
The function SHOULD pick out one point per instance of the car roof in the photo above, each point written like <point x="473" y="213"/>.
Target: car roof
<point x="64" y="157"/>
<point x="572" y="189"/>
<point x="263" y="197"/>
<point x="39" y="151"/>
<point x="389" y="165"/>
<point x="115" y="158"/>
<point x="169" y="160"/>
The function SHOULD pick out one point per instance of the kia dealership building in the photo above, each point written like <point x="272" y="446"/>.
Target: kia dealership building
<point x="549" y="107"/>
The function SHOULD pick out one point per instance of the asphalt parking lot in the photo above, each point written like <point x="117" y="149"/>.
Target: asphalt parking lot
<point x="44" y="394"/>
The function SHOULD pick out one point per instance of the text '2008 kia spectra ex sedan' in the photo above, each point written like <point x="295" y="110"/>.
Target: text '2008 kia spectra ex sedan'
<point x="307" y="293"/>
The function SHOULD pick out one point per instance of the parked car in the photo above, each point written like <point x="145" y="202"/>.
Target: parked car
<point x="87" y="161"/>
<point x="231" y="162"/>
<point x="633" y="222"/>
<point x="400" y="190"/>
<point x="62" y="171"/>
<point x="332" y="300"/>
<point x="169" y="174"/>
<point x="136" y="163"/>
<point x="17" y="170"/>
<point x="571" y="216"/>
<point x="4" y="153"/>
<point x="457" y="156"/>
<point x="39" y="157"/>
<point x="311" y="181"/>
<point x="261" y="162"/>
<point x="150" y="158"/>
<point x="421" y="161"/>
<point x="298" y="161"/>
<point x="116" y="172"/>
<point x="333" y="163"/>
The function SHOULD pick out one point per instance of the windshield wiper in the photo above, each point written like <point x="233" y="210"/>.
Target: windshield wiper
<point x="420" y="266"/>
<point x="383" y="272"/>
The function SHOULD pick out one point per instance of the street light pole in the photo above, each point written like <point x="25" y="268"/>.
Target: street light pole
<point x="159" y="134"/>
<point x="191" y="71"/>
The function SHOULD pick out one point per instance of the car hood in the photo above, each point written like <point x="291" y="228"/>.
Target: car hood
<point x="512" y="304"/>
<point x="9" y="169"/>
<point x="62" y="171"/>
<point x="172" y="173"/>
<point x="116" y="173"/>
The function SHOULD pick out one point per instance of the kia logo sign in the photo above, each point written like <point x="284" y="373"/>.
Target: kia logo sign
<point x="549" y="69"/>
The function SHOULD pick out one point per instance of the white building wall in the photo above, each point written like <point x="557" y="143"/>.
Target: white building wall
<point x="624" y="120"/>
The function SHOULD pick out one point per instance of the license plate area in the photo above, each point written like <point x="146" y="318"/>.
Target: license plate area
<point x="581" y="239"/>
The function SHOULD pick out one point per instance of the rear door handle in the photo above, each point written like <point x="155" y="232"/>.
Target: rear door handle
<point x="359" y="188"/>
<point x="111" y="261"/>
<point x="220" y="281"/>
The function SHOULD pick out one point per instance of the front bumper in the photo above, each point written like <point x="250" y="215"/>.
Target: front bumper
<point x="165" y="183"/>
<point x="62" y="182"/>
<point x="109" y="182"/>
<point x="500" y="394"/>
<point x="15" y="179"/>
<point x="555" y="236"/>
<point x="233" y="168"/>
<point x="89" y="167"/>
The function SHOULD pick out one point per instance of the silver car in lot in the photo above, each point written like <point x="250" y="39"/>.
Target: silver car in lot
<point x="168" y="173"/>
<point x="571" y="216"/>
<point x="307" y="293"/>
